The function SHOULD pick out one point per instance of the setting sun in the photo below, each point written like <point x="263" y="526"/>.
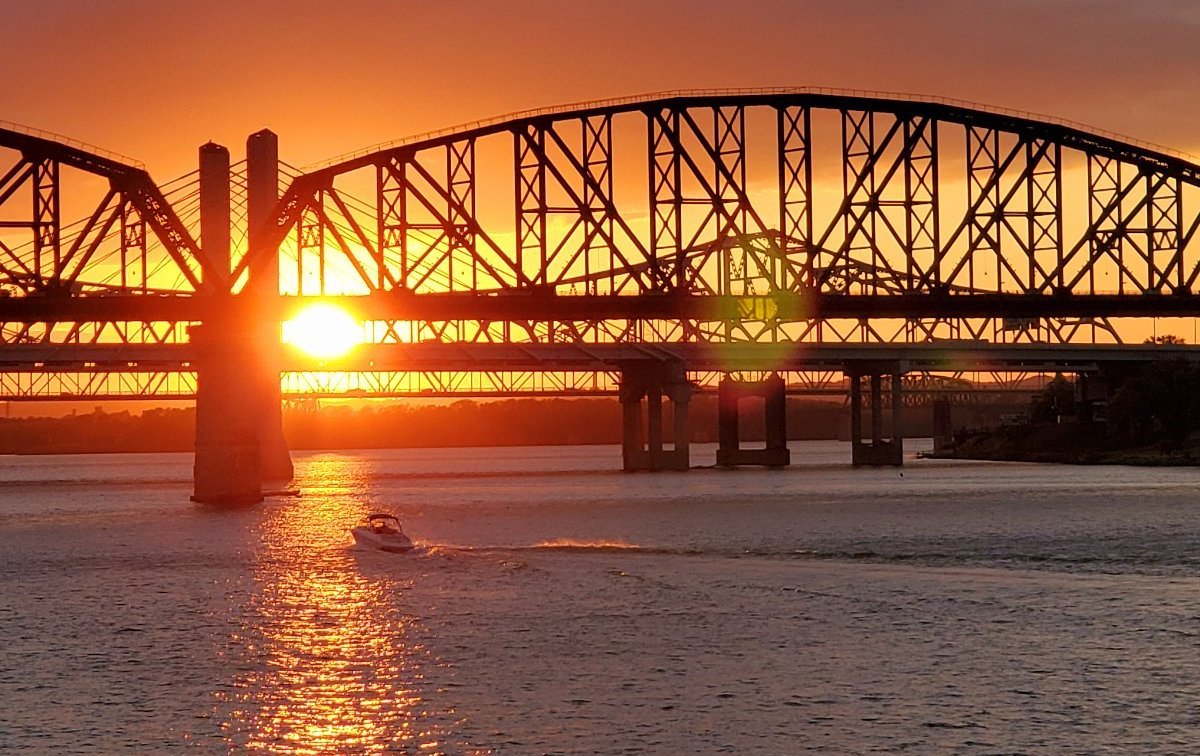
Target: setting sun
<point x="324" y="331"/>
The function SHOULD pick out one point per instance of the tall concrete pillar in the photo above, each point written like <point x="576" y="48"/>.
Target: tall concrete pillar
<point x="730" y="394"/>
<point x="227" y="466"/>
<point x="262" y="195"/>
<point x="239" y="425"/>
<point x="876" y="382"/>
<point x="651" y="382"/>
<point x="214" y="208"/>
<point x="775" y="408"/>
<point x="729" y="432"/>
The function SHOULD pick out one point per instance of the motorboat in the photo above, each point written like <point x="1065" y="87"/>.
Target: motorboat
<point x="382" y="531"/>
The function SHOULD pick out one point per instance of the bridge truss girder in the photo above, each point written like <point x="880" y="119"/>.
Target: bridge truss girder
<point x="87" y="332"/>
<point x="134" y="383"/>
<point x="130" y="241"/>
<point x="703" y="228"/>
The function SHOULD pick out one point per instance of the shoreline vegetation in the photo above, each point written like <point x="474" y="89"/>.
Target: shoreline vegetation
<point x="1067" y="443"/>
<point x="1142" y="415"/>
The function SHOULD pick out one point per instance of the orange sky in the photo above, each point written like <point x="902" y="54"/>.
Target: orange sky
<point x="155" y="79"/>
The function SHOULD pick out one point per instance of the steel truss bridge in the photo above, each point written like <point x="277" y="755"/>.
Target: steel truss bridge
<point x="814" y="233"/>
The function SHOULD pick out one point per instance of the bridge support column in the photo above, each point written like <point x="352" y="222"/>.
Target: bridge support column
<point x="215" y="207"/>
<point x="239" y="423"/>
<point x="262" y="194"/>
<point x="647" y="451"/>
<point x="227" y="466"/>
<point x="730" y="394"/>
<point x="879" y="451"/>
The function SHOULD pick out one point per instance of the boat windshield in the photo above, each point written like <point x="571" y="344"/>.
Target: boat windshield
<point x="383" y="524"/>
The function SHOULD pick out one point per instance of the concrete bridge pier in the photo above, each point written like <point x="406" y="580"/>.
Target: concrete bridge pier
<point x="227" y="459"/>
<point x="262" y="195"/>
<point x="239" y="426"/>
<point x="879" y="451"/>
<point x="239" y="432"/>
<point x="642" y="444"/>
<point x="730" y="394"/>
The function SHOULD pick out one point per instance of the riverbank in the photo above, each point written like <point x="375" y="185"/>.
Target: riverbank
<point x="1069" y="443"/>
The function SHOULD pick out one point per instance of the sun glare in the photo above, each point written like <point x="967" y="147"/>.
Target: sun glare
<point x="324" y="331"/>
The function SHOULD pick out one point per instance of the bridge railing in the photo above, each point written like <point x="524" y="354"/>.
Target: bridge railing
<point x="69" y="142"/>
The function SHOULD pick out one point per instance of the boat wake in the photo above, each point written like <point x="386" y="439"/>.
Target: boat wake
<point x="1142" y="563"/>
<point x="565" y="545"/>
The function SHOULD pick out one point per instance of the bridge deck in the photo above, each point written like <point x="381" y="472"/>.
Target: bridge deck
<point x="934" y="356"/>
<point x="538" y="305"/>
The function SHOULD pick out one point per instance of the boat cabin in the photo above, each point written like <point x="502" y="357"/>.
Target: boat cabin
<point x="383" y="523"/>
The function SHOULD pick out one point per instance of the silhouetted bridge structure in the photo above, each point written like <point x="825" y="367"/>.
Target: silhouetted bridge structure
<point x="748" y="242"/>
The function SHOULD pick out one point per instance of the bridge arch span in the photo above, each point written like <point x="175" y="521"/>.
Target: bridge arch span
<point x="751" y="193"/>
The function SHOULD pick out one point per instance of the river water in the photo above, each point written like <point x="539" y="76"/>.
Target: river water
<point x="558" y="605"/>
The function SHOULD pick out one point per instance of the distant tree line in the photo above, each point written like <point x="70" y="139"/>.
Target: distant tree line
<point x="1158" y="401"/>
<point x="167" y="429"/>
<point x="511" y="422"/>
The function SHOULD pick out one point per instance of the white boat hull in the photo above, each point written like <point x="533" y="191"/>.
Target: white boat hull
<point x="393" y="542"/>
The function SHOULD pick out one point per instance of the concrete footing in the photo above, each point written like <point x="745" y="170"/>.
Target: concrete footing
<point x="643" y="445"/>
<point x="239" y="429"/>
<point x="227" y="467"/>
<point x="878" y="451"/>
<point x="730" y="394"/>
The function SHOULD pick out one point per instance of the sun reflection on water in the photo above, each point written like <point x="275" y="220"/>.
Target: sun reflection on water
<point x="328" y="661"/>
